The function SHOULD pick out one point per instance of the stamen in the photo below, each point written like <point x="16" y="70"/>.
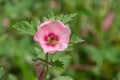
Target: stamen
<point x="51" y="39"/>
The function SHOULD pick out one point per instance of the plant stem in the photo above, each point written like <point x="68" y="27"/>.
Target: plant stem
<point x="46" y="66"/>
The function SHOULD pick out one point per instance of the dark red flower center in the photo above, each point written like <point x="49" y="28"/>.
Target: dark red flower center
<point x="51" y="39"/>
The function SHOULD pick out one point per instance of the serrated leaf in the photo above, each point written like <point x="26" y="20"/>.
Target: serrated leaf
<point x="60" y="58"/>
<point x="58" y="63"/>
<point x="57" y="56"/>
<point x="63" y="78"/>
<point x="70" y="47"/>
<point x="35" y="24"/>
<point x="26" y="27"/>
<point x="38" y="54"/>
<point x="65" y="59"/>
<point x="61" y="64"/>
<point x="56" y="70"/>
<point x="76" y="39"/>
<point x="51" y="16"/>
<point x="64" y="18"/>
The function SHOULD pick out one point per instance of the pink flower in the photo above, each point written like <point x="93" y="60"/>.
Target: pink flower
<point x="108" y="21"/>
<point x="53" y="36"/>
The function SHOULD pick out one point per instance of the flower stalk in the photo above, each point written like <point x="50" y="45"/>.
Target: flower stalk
<point x="47" y="66"/>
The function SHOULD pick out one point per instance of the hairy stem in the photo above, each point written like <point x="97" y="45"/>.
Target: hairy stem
<point x="46" y="66"/>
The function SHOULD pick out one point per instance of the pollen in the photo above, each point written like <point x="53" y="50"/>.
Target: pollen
<point x="51" y="40"/>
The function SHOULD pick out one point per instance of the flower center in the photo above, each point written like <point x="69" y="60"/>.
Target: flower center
<point x="51" y="39"/>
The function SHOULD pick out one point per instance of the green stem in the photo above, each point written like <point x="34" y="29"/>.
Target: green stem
<point x="46" y="66"/>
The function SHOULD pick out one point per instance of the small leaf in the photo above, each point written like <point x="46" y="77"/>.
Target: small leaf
<point x="38" y="54"/>
<point x="70" y="47"/>
<point x="35" y="24"/>
<point x="61" y="60"/>
<point x="56" y="70"/>
<point x="65" y="59"/>
<point x="26" y="27"/>
<point x="51" y="16"/>
<point x="76" y="39"/>
<point x="63" y="78"/>
<point x="57" y="56"/>
<point x="58" y="63"/>
<point x="64" y="18"/>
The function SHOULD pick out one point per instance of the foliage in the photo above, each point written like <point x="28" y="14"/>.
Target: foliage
<point x="64" y="18"/>
<point x="26" y="27"/>
<point x="31" y="27"/>
<point x="76" y="39"/>
<point x="97" y="58"/>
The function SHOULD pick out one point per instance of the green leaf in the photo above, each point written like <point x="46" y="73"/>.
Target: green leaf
<point x="56" y="70"/>
<point x="73" y="40"/>
<point x="65" y="59"/>
<point x="64" y="18"/>
<point x="61" y="57"/>
<point x="57" y="56"/>
<point x="63" y="78"/>
<point x="35" y="24"/>
<point x="58" y="63"/>
<point x="38" y="54"/>
<point x="26" y="27"/>
<point x="70" y="47"/>
<point x="51" y="16"/>
<point x="76" y="39"/>
<point x="31" y="27"/>
<point x="61" y="60"/>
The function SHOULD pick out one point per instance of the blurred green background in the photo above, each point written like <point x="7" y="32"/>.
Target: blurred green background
<point x="97" y="22"/>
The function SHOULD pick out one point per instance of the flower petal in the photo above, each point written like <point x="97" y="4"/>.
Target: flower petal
<point x="59" y="29"/>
